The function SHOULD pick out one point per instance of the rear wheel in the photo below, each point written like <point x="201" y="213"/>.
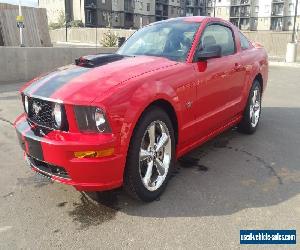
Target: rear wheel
<point x="150" y="156"/>
<point x="252" y="111"/>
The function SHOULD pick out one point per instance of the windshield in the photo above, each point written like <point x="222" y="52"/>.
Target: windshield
<point x="172" y="40"/>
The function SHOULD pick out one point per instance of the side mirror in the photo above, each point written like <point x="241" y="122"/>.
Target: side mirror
<point x="213" y="51"/>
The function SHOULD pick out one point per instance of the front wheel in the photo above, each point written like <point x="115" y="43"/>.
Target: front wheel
<point x="151" y="156"/>
<point x="252" y="111"/>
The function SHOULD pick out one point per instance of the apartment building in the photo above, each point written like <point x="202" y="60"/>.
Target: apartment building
<point x="282" y="14"/>
<point x="244" y="14"/>
<point x="104" y="13"/>
<point x="277" y="15"/>
<point x="144" y="13"/>
<point x="195" y="8"/>
<point x="97" y="13"/>
<point x="218" y="8"/>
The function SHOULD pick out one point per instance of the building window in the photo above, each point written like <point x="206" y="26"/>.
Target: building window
<point x="256" y="9"/>
<point x="219" y="11"/>
<point x="267" y="8"/>
<point x="148" y="6"/>
<point x="291" y="7"/>
<point x="91" y="17"/>
<point x="128" y="17"/>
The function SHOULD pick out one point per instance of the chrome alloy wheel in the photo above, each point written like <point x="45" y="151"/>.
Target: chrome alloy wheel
<point x="155" y="155"/>
<point x="255" y="107"/>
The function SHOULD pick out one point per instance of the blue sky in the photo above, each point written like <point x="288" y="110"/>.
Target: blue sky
<point x="23" y="2"/>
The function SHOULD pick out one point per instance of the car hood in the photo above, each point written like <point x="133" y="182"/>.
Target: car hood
<point x="74" y="84"/>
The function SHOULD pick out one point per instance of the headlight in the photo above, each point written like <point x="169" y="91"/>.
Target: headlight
<point x="91" y="119"/>
<point x="100" y="120"/>
<point x="26" y="104"/>
<point x="57" y="114"/>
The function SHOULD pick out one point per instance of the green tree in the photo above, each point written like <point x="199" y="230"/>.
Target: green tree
<point x="61" y="22"/>
<point x="109" y="39"/>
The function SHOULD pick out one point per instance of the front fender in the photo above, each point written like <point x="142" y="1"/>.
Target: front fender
<point x="142" y="98"/>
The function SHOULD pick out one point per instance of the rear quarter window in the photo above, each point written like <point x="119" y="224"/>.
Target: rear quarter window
<point x="244" y="41"/>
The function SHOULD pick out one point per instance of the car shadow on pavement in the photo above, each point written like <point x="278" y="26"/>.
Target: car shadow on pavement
<point x="228" y="174"/>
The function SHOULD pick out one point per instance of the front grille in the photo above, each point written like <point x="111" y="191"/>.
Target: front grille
<point x="44" y="116"/>
<point x="48" y="169"/>
<point x="40" y="113"/>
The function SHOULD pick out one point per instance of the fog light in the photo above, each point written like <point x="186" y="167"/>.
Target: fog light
<point x="94" y="154"/>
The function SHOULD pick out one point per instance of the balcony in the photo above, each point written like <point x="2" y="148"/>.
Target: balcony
<point x="189" y="4"/>
<point x="240" y="2"/>
<point x="245" y="2"/>
<point x="162" y="1"/>
<point x="90" y="4"/>
<point x="234" y="12"/>
<point x="128" y="6"/>
<point x="245" y="14"/>
<point x="235" y="2"/>
<point x="163" y="13"/>
<point x="277" y="13"/>
<point x="158" y="13"/>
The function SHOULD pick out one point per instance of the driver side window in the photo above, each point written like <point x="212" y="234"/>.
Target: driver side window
<point x="217" y="34"/>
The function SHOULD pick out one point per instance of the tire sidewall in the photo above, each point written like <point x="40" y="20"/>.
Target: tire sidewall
<point x="132" y="170"/>
<point x="246" y="125"/>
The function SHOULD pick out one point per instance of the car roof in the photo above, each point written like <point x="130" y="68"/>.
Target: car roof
<point x="198" y="19"/>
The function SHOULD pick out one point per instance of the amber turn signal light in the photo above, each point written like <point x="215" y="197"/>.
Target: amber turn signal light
<point x="95" y="154"/>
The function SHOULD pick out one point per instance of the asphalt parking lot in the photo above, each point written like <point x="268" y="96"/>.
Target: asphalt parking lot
<point x="233" y="182"/>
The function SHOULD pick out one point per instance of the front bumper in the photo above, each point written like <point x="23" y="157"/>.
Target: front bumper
<point x="52" y="155"/>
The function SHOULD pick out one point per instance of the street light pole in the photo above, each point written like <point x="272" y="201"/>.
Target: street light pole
<point x="291" y="48"/>
<point x="214" y="8"/>
<point x="295" y="18"/>
<point x="66" y="21"/>
<point x="96" y="26"/>
<point x="21" y="27"/>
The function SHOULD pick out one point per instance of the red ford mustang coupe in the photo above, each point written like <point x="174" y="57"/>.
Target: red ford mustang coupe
<point x="124" y="118"/>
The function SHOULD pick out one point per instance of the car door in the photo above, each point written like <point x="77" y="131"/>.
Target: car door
<point x="219" y="80"/>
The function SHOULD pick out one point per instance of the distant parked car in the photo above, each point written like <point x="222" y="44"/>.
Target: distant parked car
<point x="124" y="118"/>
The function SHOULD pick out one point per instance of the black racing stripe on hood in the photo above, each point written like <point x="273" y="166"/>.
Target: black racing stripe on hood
<point x="93" y="61"/>
<point x="47" y="85"/>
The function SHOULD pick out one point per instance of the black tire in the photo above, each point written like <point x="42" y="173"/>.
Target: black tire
<point x="246" y="126"/>
<point x="133" y="184"/>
